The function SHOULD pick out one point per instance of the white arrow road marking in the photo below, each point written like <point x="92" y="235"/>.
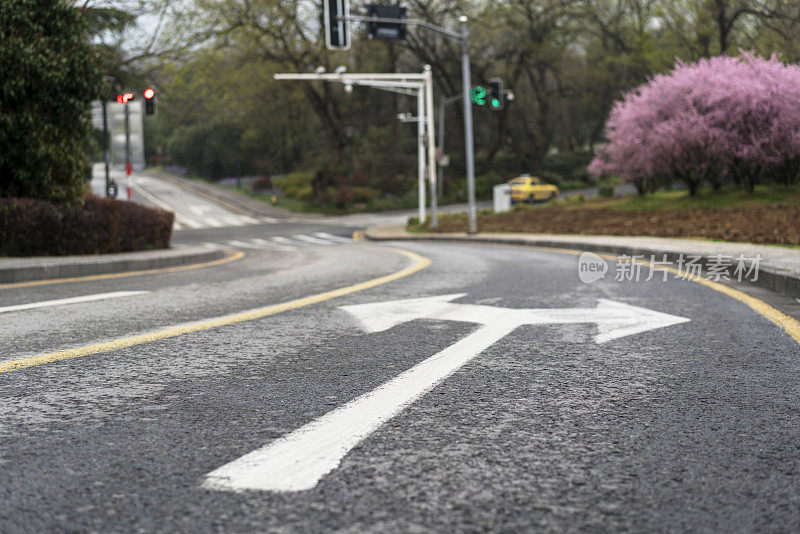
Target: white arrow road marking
<point x="297" y="461"/>
<point x="72" y="300"/>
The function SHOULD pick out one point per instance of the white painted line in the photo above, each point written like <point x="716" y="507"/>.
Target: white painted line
<point x="331" y="237"/>
<point x="71" y="300"/>
<point x="242" y="244"/>
<point x="283" y="240"/>
<point x="233" y="221"/>
<point x="268" y="219"/>
<point x="297" y="461"/>
<point x="249" y="220"/>
<point x="213" y="223"/>
<point x="309" y="239"/>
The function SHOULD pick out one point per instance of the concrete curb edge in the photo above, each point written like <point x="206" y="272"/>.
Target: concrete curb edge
<point x="113" y="264"/>
<point x="783" y="282"/>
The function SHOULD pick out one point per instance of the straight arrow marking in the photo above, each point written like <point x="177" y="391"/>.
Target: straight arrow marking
<point x="297" y="461"/>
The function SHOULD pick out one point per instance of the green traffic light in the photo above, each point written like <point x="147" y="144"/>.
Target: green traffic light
<point x="495" y="103"/>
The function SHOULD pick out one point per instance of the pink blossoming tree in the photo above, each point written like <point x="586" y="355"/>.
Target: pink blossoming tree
<point x="720" y="119"/>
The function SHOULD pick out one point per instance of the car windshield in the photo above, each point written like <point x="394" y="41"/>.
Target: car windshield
<point x="518" y="182"/>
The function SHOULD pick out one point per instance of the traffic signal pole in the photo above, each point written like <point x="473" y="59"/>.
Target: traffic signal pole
<point x="469" y="148"/>
<point x="431" y="145"/>
<point x="412" y="84"/>
<point x="468" y="140"/>
<point x="128" y="149"/>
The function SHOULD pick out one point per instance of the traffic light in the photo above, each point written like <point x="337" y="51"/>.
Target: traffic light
<point x="496" y="93"/>
<point x="149" y="95"/>
<point x="479" y="95"/>
<point x="392" y="31"/>
<point x="337" y="31"/>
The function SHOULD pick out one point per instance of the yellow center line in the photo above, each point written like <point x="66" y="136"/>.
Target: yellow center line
<point x="420" y="262"/>
<point x="232" y="256"/>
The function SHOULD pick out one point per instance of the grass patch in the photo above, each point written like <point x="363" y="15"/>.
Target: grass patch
<point x="768" y="216"/>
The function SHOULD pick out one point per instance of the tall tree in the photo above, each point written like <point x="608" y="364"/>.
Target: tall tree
<point x="51" y="74"/>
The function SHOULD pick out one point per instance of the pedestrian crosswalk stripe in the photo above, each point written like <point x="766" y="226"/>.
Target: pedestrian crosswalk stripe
<point x="338" y="239"/>
<point x="309" y="239"/>
<point x="282" y="243"/>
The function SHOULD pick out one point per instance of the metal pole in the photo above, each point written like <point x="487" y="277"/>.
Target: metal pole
<point x="468" y="142"/>
<point x="431" y="145"/>
<point x="105" y="143"/>
<point x="421" y="153"/>
<point x="128" y="150"/>
<point x="440" y="182"/>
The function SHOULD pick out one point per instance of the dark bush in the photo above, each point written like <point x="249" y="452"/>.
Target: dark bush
<point x="264" y="183"/>
<point x="91" y="225"/>
<point x="606" y="191"/>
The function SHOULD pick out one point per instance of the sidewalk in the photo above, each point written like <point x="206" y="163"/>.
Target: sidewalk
<point x="779" y="267"/>
<point x="13" y="270"/>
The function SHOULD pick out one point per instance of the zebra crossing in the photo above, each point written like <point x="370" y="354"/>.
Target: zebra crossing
<point x="283" y="242"/>
<point x="184" y="222"/>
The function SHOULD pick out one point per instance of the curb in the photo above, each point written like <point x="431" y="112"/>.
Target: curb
<point x="782" y="281"/>
<point x="71" y="267"/>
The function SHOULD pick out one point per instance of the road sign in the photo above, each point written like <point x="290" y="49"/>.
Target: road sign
<point x="337" y="28"/>
<point x="392" y="31"/>
<point x="297" y="461"/>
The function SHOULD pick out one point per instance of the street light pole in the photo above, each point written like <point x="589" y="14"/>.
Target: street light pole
<point x="421" y="154"/>
<point x="431" y="145"/>
<point x="468" y="141"/>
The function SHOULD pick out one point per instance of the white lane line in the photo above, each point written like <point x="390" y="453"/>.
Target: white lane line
<point x="269" y="219"/>
<point x="232" y="221"/>
<point x="248" y="219"/>
<point x="191" y="223"/>
<point x="71" y="300"/>
<point x="213" y="223"/>
<point x="297" y="461"/>
<point x="309" y="239"/>
<point x="331" y="237"/>
<point x="283" y="240"/>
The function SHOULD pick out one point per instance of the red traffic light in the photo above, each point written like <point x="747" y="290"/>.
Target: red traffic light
<point x="124" y="98"/>
<point x="149" y="93"/>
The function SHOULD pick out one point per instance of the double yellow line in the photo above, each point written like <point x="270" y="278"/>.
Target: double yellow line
<point x="419" y="263"/>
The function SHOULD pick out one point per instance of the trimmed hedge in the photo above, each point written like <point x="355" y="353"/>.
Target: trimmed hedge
<point x="92" y="225"/>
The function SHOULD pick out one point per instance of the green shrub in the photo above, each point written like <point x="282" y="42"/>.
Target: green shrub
<point x="295" y="185"/>
<point x="365" y="194"/>
<point x="91" y="225"/>
<point x="606" y="191"/>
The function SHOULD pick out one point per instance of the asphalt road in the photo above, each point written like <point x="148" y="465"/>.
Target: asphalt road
<point x="688" y="425"/>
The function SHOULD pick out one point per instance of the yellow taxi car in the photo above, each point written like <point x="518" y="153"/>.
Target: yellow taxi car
<point x="526" y="188"/>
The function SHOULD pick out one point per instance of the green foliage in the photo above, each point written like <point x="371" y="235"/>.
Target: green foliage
<point x="296" y="185"/>
<point x="50" y="75"/>
<point x="606" y="191"/>
<point x="91" y="225"/>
